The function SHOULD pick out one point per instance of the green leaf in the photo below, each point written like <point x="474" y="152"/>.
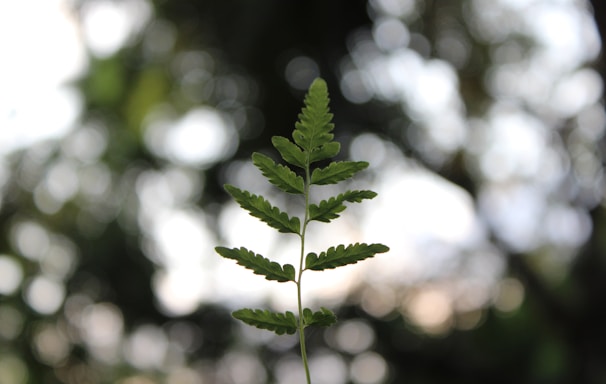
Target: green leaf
<point x="326" y="151"/>
<point x="279" y="175"/>
<point x="280" y="323"/>
<point x="329" y="209"/>
<point x="259" y="264"/>
<point x="314" y="125"/>
<point x="258" y="207"/>
<point x="325" y="317"/>
<point x="340" y="256"/>
<point x="289" y="151"/>
<point x="337" y="171"/>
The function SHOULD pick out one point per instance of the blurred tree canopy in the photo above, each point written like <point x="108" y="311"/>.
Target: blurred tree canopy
<point x="106" y="267"/>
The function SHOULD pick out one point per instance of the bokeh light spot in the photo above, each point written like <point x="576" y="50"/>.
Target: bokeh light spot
<point x="146" y="347"/>
<point x="11" y="275"/>
<point x="469" y="320"/>
<point x="328" y="368"/>
<point x="44" y="295"/>
<point x="182" y="237"/>
<point x="240" y="367"/>
<point x="517" y="227"/>
<point x="453" y="47"/>
<point x="181" y="289"/>
<point x="200" y="138"/>
<point x="391" y="33"/>
<point x="509" y="296"/>
<point x="378" y="301"/>
<point x="109" y="25"/>
<point x="31" y="239"/>
<point x="354" y="87"/>
<point x="87" y="143"/>
<point x="395" y="8"/>
<point x="289" y="370"/>
<point x="102" y="327"/>
<point x="352" y="336"/>
<point x="50" y="344"/>
<point x="186" y="335"/>
<point x="431" y="309"/>
<point x="62" y="180"/>
<point x="368" y="368"/>
<point x="300" y="72"/>
<point x="576" y="92"/>
<point x="160" y="38"/>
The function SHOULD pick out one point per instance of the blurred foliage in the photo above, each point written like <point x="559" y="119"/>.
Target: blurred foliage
<point x="76" y="234"/>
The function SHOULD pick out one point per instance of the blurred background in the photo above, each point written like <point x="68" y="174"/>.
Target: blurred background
<point x="483" y="122"/>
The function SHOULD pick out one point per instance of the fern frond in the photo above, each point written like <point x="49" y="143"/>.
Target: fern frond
<point x="340" y="256"/>
<point x="260" y="208"/>
<point x="279" y="175"/>
<point x="329" y="209"/>
<point x="325" y="151"/>
<point x="258" y="264"/>
<point x="336" y="172"/>
<point x="312" y="141"/>
<point x="280" y="323"/>
<point x="324" y="317"/>
<point x="289" y="151"/>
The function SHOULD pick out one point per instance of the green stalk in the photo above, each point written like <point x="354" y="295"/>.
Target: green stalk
<point x="302" y="332"/>
<point x="301" y="320"/>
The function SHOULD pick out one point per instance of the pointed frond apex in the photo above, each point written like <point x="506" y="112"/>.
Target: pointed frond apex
<point x="315" y="120"/>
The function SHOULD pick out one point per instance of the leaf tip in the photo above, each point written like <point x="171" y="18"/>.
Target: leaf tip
<point x="318" y="82"/>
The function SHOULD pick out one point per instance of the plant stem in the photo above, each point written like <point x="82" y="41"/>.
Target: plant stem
<point x="302" y="333"/>
<point x="299" y="301"/>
